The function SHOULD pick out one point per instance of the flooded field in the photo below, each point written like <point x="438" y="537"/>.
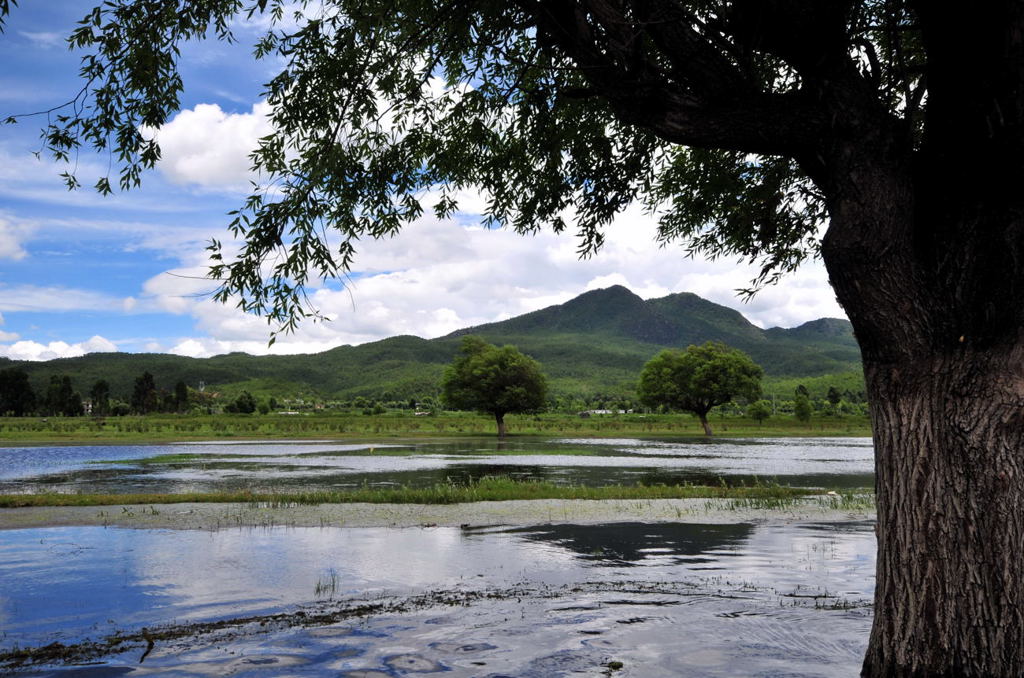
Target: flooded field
<point x="197" y="467"/>
<point x="549" y="600"/>
<point x="774" y="597"/>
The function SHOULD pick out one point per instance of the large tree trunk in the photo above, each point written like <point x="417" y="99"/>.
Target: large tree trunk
<point x="949" y="438"/>
<point x="703" y="416"/>
<point x="940" y="334"/>
<point x="499" y="418"/>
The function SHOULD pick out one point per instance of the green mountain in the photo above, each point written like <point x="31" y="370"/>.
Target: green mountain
<point x="593" y="344"/>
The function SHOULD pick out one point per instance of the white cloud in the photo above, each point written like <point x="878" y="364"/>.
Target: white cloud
<point x="32" y="350"/>
<point x="44" y="39"/>
<point x="179" y="233"/>
<point x="208" y="148"/>
<point x="181" y="290"/>
<point x="15" y="298"/>
<point x="204" y="347"/>
<point x="431" y="279"/>
<point x="28" y="178"/>
<point x="434" y="278"/>
<point x="13" y="234"/>
<point x="98" y="344"/>
<point x="9" y="336"/>
<point x="194" y="348"/>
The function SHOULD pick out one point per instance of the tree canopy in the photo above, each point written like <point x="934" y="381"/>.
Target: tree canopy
<point x="802" y="407"/>
<point x="699" y="378"/>
<point x="493" y="380"/>
<point x="16" y="395"/>
<point x="145" y="397"/>
<point x="61" y="399"/>
<point x="759" y="410"/>
<point x="99" y="395"/>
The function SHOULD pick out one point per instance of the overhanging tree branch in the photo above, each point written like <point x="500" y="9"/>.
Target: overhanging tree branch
<point x="713" y="106"/>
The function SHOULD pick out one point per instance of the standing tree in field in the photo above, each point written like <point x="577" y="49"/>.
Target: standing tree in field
<point x="180" y="397"/>
<point x="759" y="411"/>
<point x="699" y="378"/>
<point x="61" y="398"/>
<point x="145" y="398"/>
<point x="17" y="398"/>
<point x="834" y="396"/>
<point x="802" y="407"/>
<point x="245" y="403"/>
<point x="495" y="381"/>
<point x="75" y="406"/>
<point x="747" y="126"/>
<point x="99" y="395"/>
<point x="58" y="392"/>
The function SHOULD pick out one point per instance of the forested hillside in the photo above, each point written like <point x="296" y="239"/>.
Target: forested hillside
<point x="593" y="344"/>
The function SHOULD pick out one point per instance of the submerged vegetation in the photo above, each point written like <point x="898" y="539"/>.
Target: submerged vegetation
<point x="770" y="495"/>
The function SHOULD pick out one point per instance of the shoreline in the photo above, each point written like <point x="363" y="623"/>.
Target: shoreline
<point x="347" y="426"/>
<point x="361" y="437"/>
<point x="513" y="513"/>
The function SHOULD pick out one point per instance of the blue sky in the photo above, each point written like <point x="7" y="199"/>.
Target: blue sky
<point x="80" y="272"/>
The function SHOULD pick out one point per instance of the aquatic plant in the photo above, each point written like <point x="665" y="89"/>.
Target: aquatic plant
<point x="327" y="585"/>
<point x="759" y="496"/>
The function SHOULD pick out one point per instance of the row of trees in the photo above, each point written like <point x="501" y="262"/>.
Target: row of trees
<point x="18" y="398"/>
<point x="500" y="381"/>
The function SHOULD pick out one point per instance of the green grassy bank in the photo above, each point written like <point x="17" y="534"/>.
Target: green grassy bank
<point x="487" y="489"/>
<point x="170" y="428"/>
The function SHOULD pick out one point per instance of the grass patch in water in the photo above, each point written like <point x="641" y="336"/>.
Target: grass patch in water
<point x="856" y="500"/>
<point x="848" y="500"/>
<point x="180" y="458"/>
<point x="487" y="489"/>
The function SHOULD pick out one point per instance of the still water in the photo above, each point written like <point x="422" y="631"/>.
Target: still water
<point x="560" y="600"/>
<point x="196" y="467"/>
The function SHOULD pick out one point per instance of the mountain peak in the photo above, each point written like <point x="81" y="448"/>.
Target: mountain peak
<point x="829" y="327"/>
<point x="611" y="300"/>
<point x="613" y="291"/>
<point x="614" y="312"/>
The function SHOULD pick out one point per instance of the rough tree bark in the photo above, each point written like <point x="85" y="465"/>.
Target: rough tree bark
<point x="948" y="447"/>
<point x="499" y="418"/>
<point x="948" y="432"/>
